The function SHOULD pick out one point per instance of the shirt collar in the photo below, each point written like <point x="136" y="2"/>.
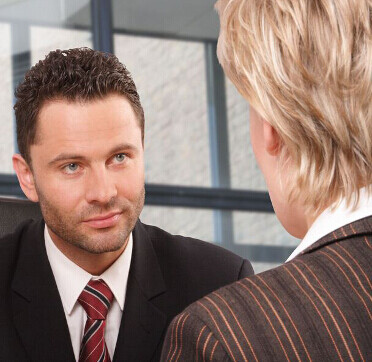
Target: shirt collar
<point x="71" y="279"/>
<point x="330" y="220"/>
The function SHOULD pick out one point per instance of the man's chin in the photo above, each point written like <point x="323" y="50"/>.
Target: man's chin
<point x="100" y="241"/>
<point x="100" y="245"/>
<point x="100" y="251"/>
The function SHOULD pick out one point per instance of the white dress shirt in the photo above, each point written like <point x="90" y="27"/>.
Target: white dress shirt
<point x="71" y="280"/>
<point x="331" y="220"/>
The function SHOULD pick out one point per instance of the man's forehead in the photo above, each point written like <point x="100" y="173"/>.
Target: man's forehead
<point x="85" y="103"/>
<point x="88" y="122"/>
<point x="106" y="109"/>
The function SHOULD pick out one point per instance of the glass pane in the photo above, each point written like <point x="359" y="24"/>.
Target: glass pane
<point x="260" y="229"/>
<point x="192" y="19"/>
<point x="28" y="31"/>
<point x="170" y="77"/>
<point x="6" y="101"/>
<point x="44" y="39"/>
<point x="261" y="267"/>
<point x="245" y="173"/>
<point x="193" y="223"/>
<point x="262" y="232"/>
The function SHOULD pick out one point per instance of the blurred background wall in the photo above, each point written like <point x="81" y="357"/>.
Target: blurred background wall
<point x="201" y="176"/>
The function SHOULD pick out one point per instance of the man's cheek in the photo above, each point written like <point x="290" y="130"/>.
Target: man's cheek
<point x="65" y="194"/>
<point x="131" y="187"/>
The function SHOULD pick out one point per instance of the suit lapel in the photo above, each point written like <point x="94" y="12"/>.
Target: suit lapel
<point x="362" y="226"/>
<point x="142" y="324"/>
<point x="37" y="308"/>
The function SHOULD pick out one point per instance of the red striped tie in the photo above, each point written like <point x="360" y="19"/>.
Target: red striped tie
<point x="96" y="299"/>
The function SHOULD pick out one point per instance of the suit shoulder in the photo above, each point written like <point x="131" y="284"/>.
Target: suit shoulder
<point x="294" y="289"/>
<point x="268" y="286"/>
<point x="188" y="246"/>
<point x="266" y="308"/>
<point x="10" y="244"/>
<point x="9" y="250"/>
<point x="189" y="338"/>
<point x="198" y="266"/>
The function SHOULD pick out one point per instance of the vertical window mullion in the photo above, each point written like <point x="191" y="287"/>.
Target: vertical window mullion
<point x="101" y="13"/>
<point x="218" y="138"/>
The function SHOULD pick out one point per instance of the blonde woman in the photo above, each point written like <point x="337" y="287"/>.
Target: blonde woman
<point x="305" y="67"/>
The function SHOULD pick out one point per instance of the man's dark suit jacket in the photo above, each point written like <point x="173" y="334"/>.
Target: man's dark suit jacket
<point x="167" y="273"/>
<point x="317" y="307"/>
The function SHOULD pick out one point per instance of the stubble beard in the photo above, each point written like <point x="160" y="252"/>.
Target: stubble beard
<point x="68" y="227"/>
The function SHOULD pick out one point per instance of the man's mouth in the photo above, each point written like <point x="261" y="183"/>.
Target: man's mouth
<point x="104" y="220"/>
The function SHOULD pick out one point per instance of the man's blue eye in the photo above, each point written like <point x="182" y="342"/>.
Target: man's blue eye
<point x="120" y="157"/>
<point x="71" y="167"/>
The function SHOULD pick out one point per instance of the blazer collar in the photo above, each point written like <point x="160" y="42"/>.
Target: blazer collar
<point x="37" y="309"/>
<point x="143" y="324"/>
<point x="359" y="227"/>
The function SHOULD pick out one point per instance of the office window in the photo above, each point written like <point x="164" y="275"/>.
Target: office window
<point x="260" y="229"/>
<point x="171" y="81"/>
<point x="6" y="101"/>
<point x="195" y="223"/>
<point x="45" y="38"/>
<point x="28" y="31"/>
<point x="260" y="267"/>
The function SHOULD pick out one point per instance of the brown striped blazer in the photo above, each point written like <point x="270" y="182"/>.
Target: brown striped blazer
<point x="317" y="307"/>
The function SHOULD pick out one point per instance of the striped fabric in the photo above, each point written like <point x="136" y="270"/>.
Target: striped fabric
<point x="318" y="307"/>
<point x="96" y="299"/>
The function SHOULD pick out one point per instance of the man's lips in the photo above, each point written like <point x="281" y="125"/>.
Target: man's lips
<point x="104" y="221"/>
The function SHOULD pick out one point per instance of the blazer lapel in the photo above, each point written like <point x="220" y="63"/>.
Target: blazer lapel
<point x="142" y="324"/>
<point x="37" y="308"/>
<point x="362" y="226"/>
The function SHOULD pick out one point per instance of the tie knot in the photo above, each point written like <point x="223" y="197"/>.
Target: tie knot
<point x="96" y="299"/>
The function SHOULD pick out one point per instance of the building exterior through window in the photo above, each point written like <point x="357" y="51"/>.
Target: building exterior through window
<point x="201" y="177"/>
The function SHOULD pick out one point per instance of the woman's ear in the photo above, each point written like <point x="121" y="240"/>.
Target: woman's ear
<point x="25" y="177"/>
<point x="271" y="137"/>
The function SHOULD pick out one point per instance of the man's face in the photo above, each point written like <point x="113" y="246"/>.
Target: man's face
<point x="88" y="171"/>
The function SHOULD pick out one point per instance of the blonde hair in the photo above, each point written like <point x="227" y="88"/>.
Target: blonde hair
<point x="306" y="66"/>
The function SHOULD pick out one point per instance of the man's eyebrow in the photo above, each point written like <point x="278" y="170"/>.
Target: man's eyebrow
<point x="65" y="156"/>
<point x="123" y="147"/>
<point x="71" y="156"/>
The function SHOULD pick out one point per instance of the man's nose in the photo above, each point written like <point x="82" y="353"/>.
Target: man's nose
<point x="101" y="186"/>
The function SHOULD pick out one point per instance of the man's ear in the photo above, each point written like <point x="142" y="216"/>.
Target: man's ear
<point x="25" y="177"/>
<point x="272" y="140"/>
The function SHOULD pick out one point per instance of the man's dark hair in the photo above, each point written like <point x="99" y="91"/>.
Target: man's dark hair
<point x="79" y="74"/>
